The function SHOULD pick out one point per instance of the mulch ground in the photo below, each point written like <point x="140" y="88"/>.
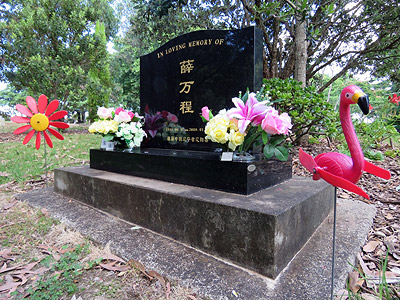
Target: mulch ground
<point x="383" y="240"/>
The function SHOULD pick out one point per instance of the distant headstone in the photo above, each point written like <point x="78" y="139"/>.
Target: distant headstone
<point x="202" y="68"/>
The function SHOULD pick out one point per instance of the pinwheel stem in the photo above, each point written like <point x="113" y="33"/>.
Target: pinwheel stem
<point x="333" y="242"/>
<point x="45" y="161"/>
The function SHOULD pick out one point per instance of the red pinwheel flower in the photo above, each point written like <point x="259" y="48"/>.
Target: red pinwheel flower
<point x="40" y="117"/>
<point x="394" y="99"/>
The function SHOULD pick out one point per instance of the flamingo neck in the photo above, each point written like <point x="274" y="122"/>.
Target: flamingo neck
<point x="351" y="139"/>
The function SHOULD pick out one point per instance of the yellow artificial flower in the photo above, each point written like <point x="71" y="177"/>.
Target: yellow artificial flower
<point x="112" y="126"/>
<point x="235" y="139"/>
<point x="233" y="124"/>
<point x="104" y="127"/>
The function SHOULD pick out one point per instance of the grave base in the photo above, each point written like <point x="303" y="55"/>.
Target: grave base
<point x="261" y="232"/>
<point x="197" y="168"/>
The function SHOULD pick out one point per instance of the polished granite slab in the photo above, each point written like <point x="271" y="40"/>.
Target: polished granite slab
<point x="196" y="168"/>
<point x="196" y="69"/>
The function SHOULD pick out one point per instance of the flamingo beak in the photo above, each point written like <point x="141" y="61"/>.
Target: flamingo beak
<point x="363" y="103"/>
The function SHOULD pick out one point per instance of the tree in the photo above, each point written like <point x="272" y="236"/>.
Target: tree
<point x="9" y="97"/>
<point x="47" y="45"/>
<point x="99" y="79"/>
<point x="346" y="33"/>
<point x="164" y="20"/>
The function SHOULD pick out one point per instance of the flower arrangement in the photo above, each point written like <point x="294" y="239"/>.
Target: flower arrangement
<point x="164" y="125"/>
<point x="120" y="126"/>
<point x="250" y="124"/>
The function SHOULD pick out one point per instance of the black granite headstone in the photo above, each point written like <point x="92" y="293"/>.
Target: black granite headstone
<point x="202" y="68"/>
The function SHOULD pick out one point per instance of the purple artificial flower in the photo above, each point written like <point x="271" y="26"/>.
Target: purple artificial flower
<point x="153" y="123"/>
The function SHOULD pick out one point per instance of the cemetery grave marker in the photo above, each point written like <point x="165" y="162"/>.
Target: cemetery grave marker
<point x="201" y="68"/>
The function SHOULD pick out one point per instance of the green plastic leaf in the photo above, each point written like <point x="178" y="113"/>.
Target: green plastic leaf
<point x="245" y="96"/>
<point x="264" y="137"/>
<point x="277" y="139"/>
<point x="269" y="151"/>
<point x="281" y="153"/>
<point x="108" y="137"/>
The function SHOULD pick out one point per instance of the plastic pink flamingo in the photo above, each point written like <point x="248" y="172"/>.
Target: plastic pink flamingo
<point x="339" y="169"/>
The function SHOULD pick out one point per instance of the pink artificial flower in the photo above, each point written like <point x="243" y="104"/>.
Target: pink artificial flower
<point x="131" y="114"/>
<point x="246" y="113"/>
<point x="205" y="112"/>
<point x="104" y="113"/>
<point x="274" y="123"/>
<point x="118" y="110"/>
<point x="123" y="116"/>
<point x="172" y="118"/>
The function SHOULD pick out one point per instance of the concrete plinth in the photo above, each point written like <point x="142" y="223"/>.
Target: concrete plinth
<point x="307" y="277"/>
<point x="261" y="232"/>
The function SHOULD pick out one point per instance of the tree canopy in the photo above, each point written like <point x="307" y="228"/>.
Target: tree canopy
<point x="48" y="46"/>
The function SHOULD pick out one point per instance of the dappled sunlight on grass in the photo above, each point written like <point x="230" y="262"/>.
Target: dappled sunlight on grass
<point x="23" y="162"/>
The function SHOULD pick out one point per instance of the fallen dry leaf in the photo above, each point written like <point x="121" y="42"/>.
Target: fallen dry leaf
<point x="389" y="217"/>
<point x="158" y="276"/>
<point x="371" y="246"/>
<point x="355" y="282"/>
<point x="5" y="269"/>
<point x="111" y="267"/>
<point x="9" y="205"/>
<point x="112" y="257"/>
<point x="6" y="254"/>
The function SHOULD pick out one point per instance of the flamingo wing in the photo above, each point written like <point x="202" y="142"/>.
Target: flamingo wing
<point x="335" y="163"/>
<point x="375" y="170"/>
<point x="307" y="161"/>
<point x="341" y="182"/>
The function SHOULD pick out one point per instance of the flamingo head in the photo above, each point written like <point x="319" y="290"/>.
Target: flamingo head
<point x="354" y="95"/>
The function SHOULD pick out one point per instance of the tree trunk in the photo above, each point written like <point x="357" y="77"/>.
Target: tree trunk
<point x="300" y="49"/>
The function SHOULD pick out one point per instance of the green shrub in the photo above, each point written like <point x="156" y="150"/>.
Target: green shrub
<point x="376" y="134"/>
<point x="372" y="136"/>
<point x="309" y="110"/>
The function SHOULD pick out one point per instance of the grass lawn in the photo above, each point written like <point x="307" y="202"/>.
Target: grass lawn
<point x="22" y="163"/>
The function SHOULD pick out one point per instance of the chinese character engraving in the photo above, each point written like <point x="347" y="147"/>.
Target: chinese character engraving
<point x="187" y="66"/>
<point x="186" y="87"/>
<point x="186" y="107"/>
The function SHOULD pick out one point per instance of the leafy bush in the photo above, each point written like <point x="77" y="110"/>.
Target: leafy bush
<point x="372" y="136"/>
<point x="309" y="110"/>
<point x="375" y="134"/>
